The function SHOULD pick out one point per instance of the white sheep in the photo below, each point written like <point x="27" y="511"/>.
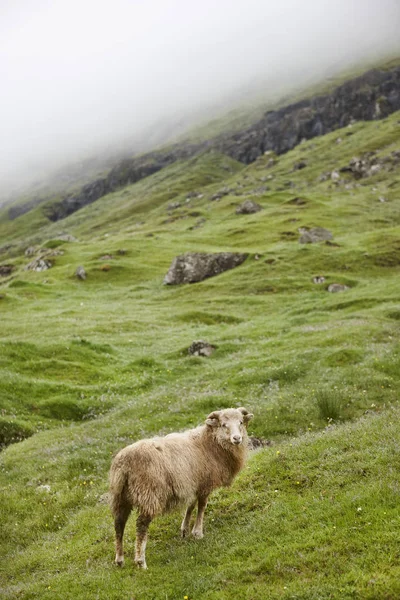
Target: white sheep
<point x="181" y="469"/>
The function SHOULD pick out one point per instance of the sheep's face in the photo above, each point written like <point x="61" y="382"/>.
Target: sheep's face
<point x="230" y="424"/>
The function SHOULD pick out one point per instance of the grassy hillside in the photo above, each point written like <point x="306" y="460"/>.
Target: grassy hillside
<point x="89" y="366"/>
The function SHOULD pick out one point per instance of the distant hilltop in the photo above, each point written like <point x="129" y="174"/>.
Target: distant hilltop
<point x="373" y="95"/>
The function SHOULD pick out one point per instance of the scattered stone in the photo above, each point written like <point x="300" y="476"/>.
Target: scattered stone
<point x="173" y="205"/>
<point x="319" y="279"/>
<point x="314" y="235"/>
<point x="201" y="348"/>
<point x="44" y="488"/>
<point x="106" y="257"/>
<point x="333" y="244"/>
<point x="335" y="176"/>
<point x="299" y="165"/>
<point x="80" y="273"/>
<point x="121" y="252"/>
<point x="6" y="270"/>
<point x="197" y="266"/>
<point x="337" y="287"/>
<point x="338" y="140"/>
<point x="270" y="163"/>
<point x="248" y="207"/>
<point x="325" y="176"/>
<point x="105" y="267"/>
<point x="30" y="251"/>
<point x="39" y="264"/>
<point x="382" y="199"/>
<point x="221" y="193"/>
<point x="270" y="261"/>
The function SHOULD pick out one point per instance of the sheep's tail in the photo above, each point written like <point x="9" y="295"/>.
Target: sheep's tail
<point x="118" y="485"/>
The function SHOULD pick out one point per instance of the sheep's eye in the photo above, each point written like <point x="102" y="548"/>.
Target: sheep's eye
<point x="224" y="425"/>
<point x="241" y="423"/>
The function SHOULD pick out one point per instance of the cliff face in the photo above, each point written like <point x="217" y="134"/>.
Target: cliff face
<point x="126" y="172"/>
<point x="374" y="95"/>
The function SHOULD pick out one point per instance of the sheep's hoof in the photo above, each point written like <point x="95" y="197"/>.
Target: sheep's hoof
<point x="141" y="563"/>
<point x="197" y="534"/>
<point x="184" y="532"/>
<point x="119" y="561"/>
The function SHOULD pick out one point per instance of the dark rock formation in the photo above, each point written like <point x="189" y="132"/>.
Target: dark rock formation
<point x="195" y="266"/>
<point x="201" y="348"/>
<point x="373" y="95"/>
<point x="6" y="270"/>
<point x="248" y="207"/>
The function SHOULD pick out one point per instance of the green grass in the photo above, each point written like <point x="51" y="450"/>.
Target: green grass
<point x="87" y="367"/>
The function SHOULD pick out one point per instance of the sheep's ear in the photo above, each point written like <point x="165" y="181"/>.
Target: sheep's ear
<point x="213" y="418"/>
<point x="246" y="415"/>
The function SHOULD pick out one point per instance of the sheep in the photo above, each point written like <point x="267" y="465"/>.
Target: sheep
<point x="181" y="469"/>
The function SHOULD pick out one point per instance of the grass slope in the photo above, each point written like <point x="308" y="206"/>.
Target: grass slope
<point x="89" y="366"/>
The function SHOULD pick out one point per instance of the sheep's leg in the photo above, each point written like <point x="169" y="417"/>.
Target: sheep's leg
<point x="120" y="520"/>
<point x="186" y="520"/>
<point x="197" y="530"/>
<point x="142" y="525"/>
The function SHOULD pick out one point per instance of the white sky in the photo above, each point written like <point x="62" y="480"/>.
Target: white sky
<point x="77" y="75"/>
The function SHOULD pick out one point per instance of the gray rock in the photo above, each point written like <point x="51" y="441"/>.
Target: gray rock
<point x="39" y="264"/>
<point x="319" y="279"/>
<point x="196" y="266"/>
<point x="314" y="235"/>
<point x="30" y="251"/>
<point x="201" y="348"/>
<point x="173" y="205"/>
<point x="80" y="273"/>
<point x="337" y="287"/>
<point x="248" y="207"/>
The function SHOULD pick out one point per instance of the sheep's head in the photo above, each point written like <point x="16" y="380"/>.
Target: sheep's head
<point x="230" y="424"/>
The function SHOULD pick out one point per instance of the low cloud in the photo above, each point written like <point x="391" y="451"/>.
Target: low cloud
<point x="80" y="77"/>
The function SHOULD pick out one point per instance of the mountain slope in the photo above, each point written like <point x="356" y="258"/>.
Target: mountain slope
<point x="89" y="366"/>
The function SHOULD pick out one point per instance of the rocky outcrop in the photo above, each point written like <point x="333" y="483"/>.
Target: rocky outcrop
<point x="195" y="266"/>
<point x="125" y="173"/>
<point x="39" y="264"/>
<point x="374" y="95"/>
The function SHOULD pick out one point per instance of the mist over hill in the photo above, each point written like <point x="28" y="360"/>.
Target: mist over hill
<point x="100" y="80"/>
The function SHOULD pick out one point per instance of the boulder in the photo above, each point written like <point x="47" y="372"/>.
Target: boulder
<point x="30" y="251"/>
<point x="337" y="287"/>
<point x="248" y="207"/>
<point x="196" y="266"/>
<point x="201" y="348"/>
<point x="319" y="279"/>
<point x="39" y="264"/>
<point x="80" y="273"/>
<point x="6" y="270"/>
<point x="314" y="235"/>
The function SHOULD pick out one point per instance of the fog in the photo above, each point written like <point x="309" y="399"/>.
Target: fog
<point x="80" y="76"/>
